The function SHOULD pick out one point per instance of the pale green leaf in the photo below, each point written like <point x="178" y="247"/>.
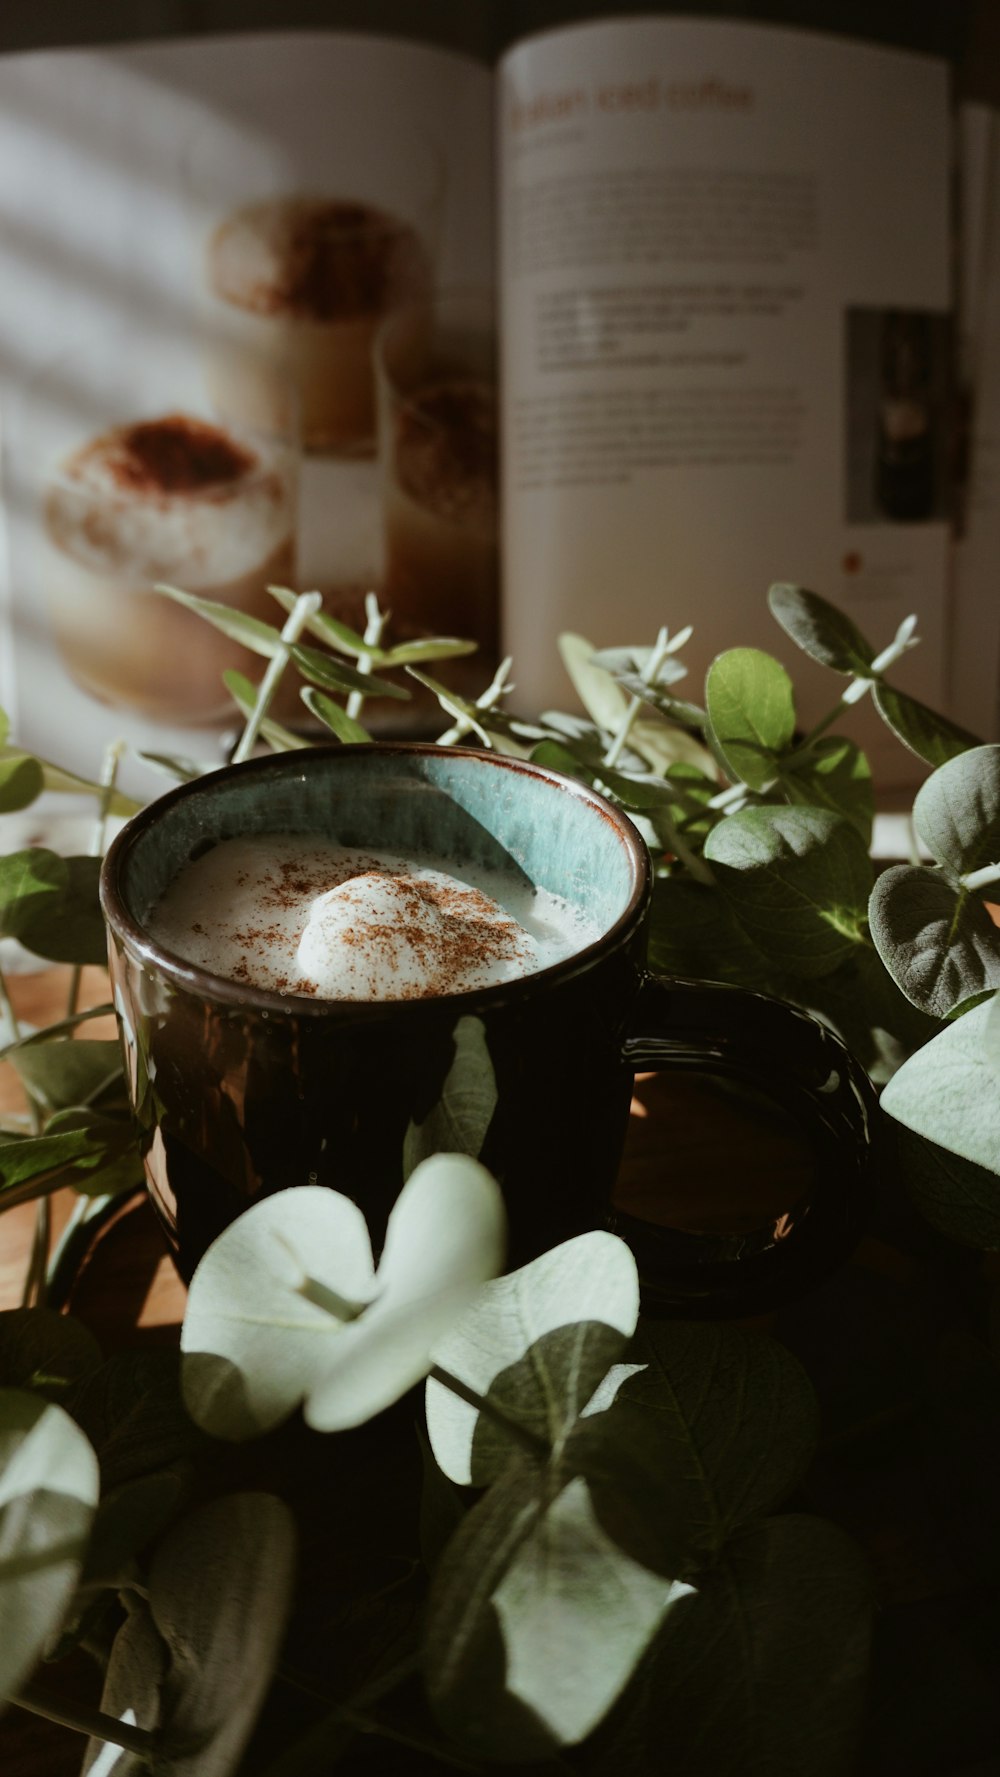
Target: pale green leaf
<point x="751" y="708"/>
<point x="957" y="811"/>
<point x="947" y="1093"/>
<point x="446" y="1237"/>
<point x="239" y="626"/>
<point x="195" y="1662"/>
<point x="463" y="1110"/>
<point x="285" y="1308"/>
<point x="48" y="1491"/>
<point x="931" y="736"/>
<point x="334" y="717"/>
<point x="937" y="941"/>
<point x="797" y="880"/>
<point x="254" y="1344"/>
<point x="535" y="1621"/>
<point x="537" y="1342"/>
<point x="29" y="880"/>
<point x="820" y="630"/>
<point x="334" y="675"/>
<point x="603" y="700"/>
<point x="244" y="694"/>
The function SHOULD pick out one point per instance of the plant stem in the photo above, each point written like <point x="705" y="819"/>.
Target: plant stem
<point x="109" y="774"/>
<point x="374" y="628"/>
<point x="661" y="649"/>
<point x="485" y="701"/>
<point x="38" y="1701"/>
<point x="306" y="606"/>
<point x="529" y="1440"/>
<point x="820" y="728"/>
<point x="33" y="1294"/>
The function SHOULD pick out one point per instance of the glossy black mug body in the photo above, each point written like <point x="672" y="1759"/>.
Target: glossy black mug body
<point x="241" y="1092"/>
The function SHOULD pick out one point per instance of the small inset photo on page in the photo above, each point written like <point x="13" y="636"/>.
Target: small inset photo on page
<point x="897" y="369"/>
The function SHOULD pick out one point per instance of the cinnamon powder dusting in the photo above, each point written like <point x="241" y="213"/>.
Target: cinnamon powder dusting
<point x="173" y="455"/>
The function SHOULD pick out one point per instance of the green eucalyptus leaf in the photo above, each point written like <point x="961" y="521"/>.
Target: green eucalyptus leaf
<point x="250" y="632"/>
<point x="326" y="628"/>
<point x="761" y="1668"/>
<point x="48" y="1493"/>
<point x="55" y="777"/>
<point x="931" y="736"/>
<point x="44" y="1351"/>
<point x="172" y="765"/>
<point x="58" y="1074"/>
<point x="834" y="774"/>
<point x="820" y="630"/>
<point x="937" y="941"/>
<point x="603" y="700"/>
<point x="334" y="717"/>
<point x="876" y="1021"/>
<point x="797" y="880"/>
<point x="693" y="931"/>
<point x="459" y="708"/>
<point x="65" y="924"/>
<point x="957" y="811"/>
<point x="948" y="1096"/>
<point x="29" y="880"/>
<point x="425" y="650"/>
<point x="285" y="1308"/>
<point x="537" y="1343"/>
<point x="536" y="1620"/>
<point x="566" y="756"/>
<point x="244" y="694"/>
<point x="464" y="1109"/>
<point x="728" y="1421"/>
<point x="21" y="780"/>
<point x="334" y="675"/>
<point x="84" y="1155"/>
<point x="196" y="1661"/>
<point x="751" y="708"/>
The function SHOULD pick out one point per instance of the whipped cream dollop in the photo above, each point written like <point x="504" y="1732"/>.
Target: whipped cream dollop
<point x="388" y="936"/>
<point x="299" y="915"/>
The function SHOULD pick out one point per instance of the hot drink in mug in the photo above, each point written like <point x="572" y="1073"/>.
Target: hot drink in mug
<point x="384" y="914"/>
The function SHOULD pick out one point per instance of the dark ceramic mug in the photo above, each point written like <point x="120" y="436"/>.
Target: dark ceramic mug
<point x="240" y="1092"/>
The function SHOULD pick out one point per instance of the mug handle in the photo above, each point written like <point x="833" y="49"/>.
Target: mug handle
<point x="791" y="1059"/>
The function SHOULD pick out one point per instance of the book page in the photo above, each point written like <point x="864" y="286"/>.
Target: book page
<point x="200" y="245"/>
<point x="725" y="290"/>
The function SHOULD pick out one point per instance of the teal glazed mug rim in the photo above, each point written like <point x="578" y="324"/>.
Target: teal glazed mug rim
<point x="790" y="1058"/>
<point x="218" y="989"/>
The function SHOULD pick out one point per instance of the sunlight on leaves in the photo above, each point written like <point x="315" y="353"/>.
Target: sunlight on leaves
<point x="48" y="1492"/>
<point x="537" y="1342"/>
<point x="286" y="1307"/>
<point x="751" y="708"/>
<point x="797" y="880"/>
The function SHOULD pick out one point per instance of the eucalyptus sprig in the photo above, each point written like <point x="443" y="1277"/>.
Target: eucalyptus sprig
<point x="618" y="1529"/>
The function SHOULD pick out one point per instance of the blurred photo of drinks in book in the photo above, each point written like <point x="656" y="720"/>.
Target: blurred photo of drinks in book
<point x="904" y="463"/>
<point x="435" y="364"/>
<point x="307" y="251"/>
<point x="130" y="479"/>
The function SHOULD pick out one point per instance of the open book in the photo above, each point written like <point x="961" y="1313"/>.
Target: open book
<point x="292" y="309"/>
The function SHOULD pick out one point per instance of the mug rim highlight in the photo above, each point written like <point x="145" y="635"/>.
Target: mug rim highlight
<point x="126" y="929"/>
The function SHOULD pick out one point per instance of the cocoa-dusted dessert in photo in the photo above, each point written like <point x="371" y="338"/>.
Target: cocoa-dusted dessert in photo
<point x="441" y="510"/>
<point x="307" y="280"/>
<point x="171" y="499"/>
